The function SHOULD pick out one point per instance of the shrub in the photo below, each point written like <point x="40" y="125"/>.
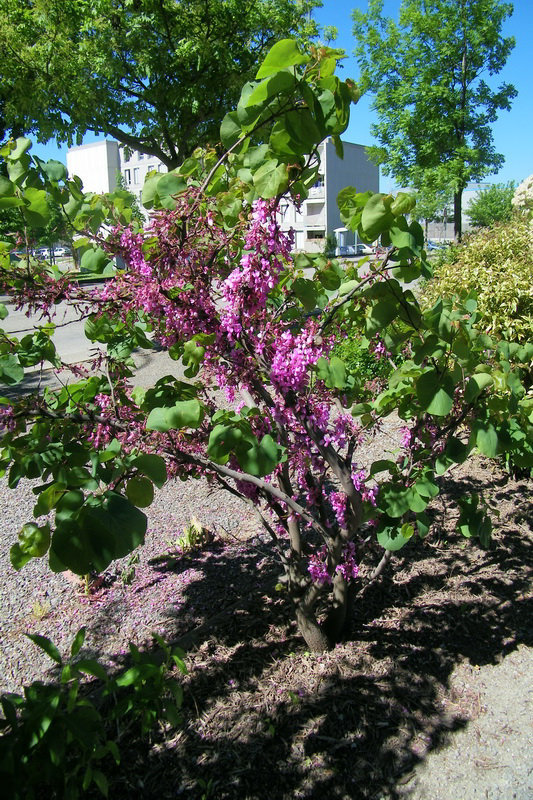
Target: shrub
<point x="497" y="265"/>
<point x="57" y="740"/>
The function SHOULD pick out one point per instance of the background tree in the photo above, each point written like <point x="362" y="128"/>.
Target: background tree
<point x="157" y="75"/>
<point x="427" y="73"/>
<point x="492" y="205"/>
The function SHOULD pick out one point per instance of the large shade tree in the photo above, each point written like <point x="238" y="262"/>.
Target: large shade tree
<point x="428" y="73"/>
<point x="158" y="75"/>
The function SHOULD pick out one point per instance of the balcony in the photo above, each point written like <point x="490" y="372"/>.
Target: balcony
<point x="317" y="191"/>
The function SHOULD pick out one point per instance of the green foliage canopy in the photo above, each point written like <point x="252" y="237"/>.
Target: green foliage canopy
<point x="428" y="74"/>
<point x="157" y="75"/>
<point x="491" y="205"/>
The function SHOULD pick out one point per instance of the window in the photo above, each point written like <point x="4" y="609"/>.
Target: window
<point x="140" y="156"/>
<point x="127" y="176"/>
<point x="150" y="167"/>
<point x="315" y="234"/>
<point x="136" y="175"/>
<point x="160" y="167"/>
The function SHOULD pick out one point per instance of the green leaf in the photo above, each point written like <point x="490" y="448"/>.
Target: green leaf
<point x="223" y="440"/>
<point x="396" y="500"/>
<point x="45" y="644"/>
<point x="382" y="465"/>
<point x="332" y="372"/>
<point x="380" y="315"/>
<point x="271" y="179"/>
<point x="306" y="292"/>
<point x="140" y="491"/>
<point x="22" y="144"/>
<point x="485" y="437"/>
<point x="230" y="130"/>
<point x="423" y="524"/>
<point x="435" y="392"/>
<point x="55" y="170"/>
<point x="36" y="210"/>
<point x="169" y="185"/>
<point x="97" y="536"/>
<point x="393" y="537"/>
<point x="94" y="260"/>
<point x="18" y="557"/>
<point x="78" y="642"/>
<point x="35" y="541"/>
<point x="476" y="384"/>
<point x="101" y="781"/>
<point x="330" y="279"/>
<point x="11" y="371"/>
<point x="184" y="414"/>
<point x="426" y="486"/>
<point x="403" y="204"/>
<point x="153" y="467"/>
<point x="90" y="666"/>
<point x="376" y="216"/>
<point x="284" y="53"/>
<point x="261" y="458"/>
<point x="278" y="83"/>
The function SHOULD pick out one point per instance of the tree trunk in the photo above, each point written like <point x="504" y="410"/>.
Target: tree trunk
<point x="314" y="635"/>
<point x="457" y="214"/>
<point x="320" y="638"/>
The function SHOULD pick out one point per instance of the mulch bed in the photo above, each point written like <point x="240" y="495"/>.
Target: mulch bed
<point x="263" y="718"/>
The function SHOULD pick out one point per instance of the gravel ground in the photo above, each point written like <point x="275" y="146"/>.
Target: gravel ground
<point x="489" y="757"/>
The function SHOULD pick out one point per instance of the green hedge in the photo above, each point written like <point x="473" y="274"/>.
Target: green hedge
<point x="497" y="264"/>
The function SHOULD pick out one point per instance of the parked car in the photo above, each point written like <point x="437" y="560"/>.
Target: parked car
<point x="62" y="251"/>
<point x="42" y="252"/>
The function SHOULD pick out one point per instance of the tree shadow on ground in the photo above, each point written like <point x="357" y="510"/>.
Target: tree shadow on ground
<point x="266" y="719"/>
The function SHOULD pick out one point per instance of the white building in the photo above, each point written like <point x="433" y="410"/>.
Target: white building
<point x="99" y="164"/>
<point x="319" y="214"/>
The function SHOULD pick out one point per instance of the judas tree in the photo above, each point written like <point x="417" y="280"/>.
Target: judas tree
<point x="259" y="402"/>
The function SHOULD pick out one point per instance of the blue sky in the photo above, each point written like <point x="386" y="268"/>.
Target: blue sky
<point x="513" y="129"/>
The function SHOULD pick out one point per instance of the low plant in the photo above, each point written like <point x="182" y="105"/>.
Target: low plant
<point x="57" y="739"/>
<point x="495" y="264"/>
<point x="194" y="535"/>
<point x="366" y="360"/>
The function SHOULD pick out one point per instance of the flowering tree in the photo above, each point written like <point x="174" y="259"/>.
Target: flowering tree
<point x="211" y="277"/>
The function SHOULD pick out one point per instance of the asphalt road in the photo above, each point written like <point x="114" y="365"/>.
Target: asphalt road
<point x="68" y="337"/>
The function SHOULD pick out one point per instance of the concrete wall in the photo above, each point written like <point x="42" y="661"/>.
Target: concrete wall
<point x="96" y="164"/>
<point x="354" y="169"/>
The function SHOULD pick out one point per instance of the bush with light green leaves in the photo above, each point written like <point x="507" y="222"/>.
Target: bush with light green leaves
<point x="495" y="265"/>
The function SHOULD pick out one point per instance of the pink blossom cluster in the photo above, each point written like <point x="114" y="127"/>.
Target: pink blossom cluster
<point x="245" y="290"/>
<point x="318" y="566"/>
<point x="293" y="355"/>
<point x="377" y="346"/>
<point x="348" y="567"/>
<point x="338" y="502"/>
<point x="7" y="418"/>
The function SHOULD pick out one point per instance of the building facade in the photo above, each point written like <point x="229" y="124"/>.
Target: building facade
<point x="99" y="164"/>
<point x="319" y="215"/>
